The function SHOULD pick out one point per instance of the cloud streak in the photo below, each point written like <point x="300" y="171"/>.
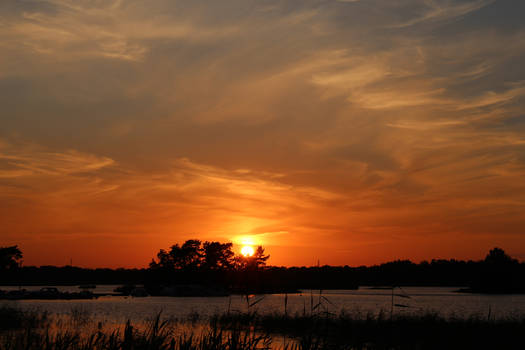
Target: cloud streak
<point x="440" y="10"/>
<point x="26" y="161"/>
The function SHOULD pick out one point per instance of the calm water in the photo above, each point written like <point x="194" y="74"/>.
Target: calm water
<point x="442" y="300"/>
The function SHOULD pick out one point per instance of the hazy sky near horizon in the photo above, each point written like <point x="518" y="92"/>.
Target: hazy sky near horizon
<point x="350" y="131"/>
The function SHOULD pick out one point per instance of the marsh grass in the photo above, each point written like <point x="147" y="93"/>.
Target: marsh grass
<point x="381" y="331"/>
<point x="251" y="331"/>
<point x="80" y="316"/>
<point x="14" y="318"/>
<point x="156" y="334"/>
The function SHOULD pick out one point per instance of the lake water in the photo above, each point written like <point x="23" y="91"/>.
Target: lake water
<point x="442" y="300"/>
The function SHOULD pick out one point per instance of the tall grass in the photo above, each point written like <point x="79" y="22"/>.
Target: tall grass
<point x="381" y="331"/>
<point x="251" y="331"/>
<point x="158" y="334"/>
<point x="14" y="318"/>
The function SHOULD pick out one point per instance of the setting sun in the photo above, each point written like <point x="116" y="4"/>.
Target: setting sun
<point x="247" y="250"/>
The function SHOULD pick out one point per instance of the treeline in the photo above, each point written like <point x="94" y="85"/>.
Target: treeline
<point x="215" y="264"/>
<point x="70" y="275"/>
<point x="193" y="256"/>
<point x="212" y="264"/>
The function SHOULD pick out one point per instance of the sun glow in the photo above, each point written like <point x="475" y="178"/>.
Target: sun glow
<point x="247" y="250"/>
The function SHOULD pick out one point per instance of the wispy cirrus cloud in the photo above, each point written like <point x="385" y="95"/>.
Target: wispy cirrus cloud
<point x="441" y="10"/>
<point x="514" y="91"/>
<point x="75" y="29"/>
<point x="22" y="161"/>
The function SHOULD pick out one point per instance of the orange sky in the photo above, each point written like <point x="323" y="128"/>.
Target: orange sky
<point x="350" y="132"/>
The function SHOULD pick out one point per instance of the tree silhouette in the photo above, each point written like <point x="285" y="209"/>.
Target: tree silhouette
<point x="10" y="257"/>
<point x="185" y="257"/>
<point x="497" y="256"/>
<point x="193" y="256"/>
<point x="189" y="255"/>
<point x="165" y="262"/>
<point x="217" y="256"/>
<point x="254" y="262"/>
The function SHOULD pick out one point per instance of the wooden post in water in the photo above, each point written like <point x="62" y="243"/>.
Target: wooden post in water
<point x="392" y="305"/>
<point x="320" y="287"/>
<point x="285" y="304"/>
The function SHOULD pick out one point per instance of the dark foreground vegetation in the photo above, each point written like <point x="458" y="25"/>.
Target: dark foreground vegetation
<point x="27" y="331"/>
<point x="382" y="331"/>
<point x="212" y="269"/>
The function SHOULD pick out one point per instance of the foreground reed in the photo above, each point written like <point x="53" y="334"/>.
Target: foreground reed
<point x="250" y="331"/>
<point x="157" y="334"/>
<point x="14" y="318"/>
<point x="381" y="331"/>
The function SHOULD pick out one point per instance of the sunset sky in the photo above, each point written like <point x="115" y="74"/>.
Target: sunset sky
<point x="350" y="132"/>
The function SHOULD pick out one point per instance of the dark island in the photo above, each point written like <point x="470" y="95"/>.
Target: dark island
<point x="195" y="268"/>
